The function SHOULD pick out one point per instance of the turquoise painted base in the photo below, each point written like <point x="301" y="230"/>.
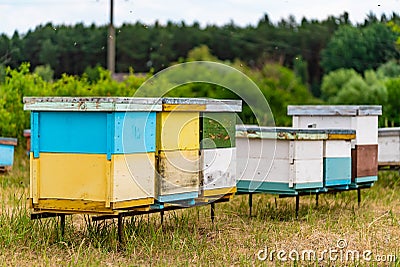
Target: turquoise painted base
<point x="366" y="179"/>
<point x="183" y="203"/>
<point x="337" y="171"/>
<point x="177" y="197"/>
<point x="245" y="186"/>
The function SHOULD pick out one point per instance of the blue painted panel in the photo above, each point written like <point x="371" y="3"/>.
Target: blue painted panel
<point x="73" y="132"/>
<point x="94" y="132"/>
<point x="337" y="171"/>
<point x="178" y="197"/>
<point x="135" y="132"/>
<point x="6" y="155"/>
<point x="35" y="134"/>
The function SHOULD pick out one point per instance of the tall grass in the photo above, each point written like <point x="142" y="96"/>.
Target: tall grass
<point x="187" y="237"/>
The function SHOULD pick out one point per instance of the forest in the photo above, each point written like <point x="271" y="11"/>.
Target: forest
<point x="331" y="61"/>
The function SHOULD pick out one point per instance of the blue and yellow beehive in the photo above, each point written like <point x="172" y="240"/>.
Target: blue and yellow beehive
<point x="7" y="153"/>
<point x="182" y="154"/>
<point x="92" y="155"/>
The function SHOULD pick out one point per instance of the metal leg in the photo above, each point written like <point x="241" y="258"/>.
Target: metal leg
<point x="297" y="205"/>
<point x="316" y="199"/>
<point x="120" y="228"/>
<point x="276" y="203"/>
<point x="62" y="224"/>
<point x="212" y="212"/>
<point x="250" y="203"/>
<point x="162" y="217"/>
<point x="359" y="196"/>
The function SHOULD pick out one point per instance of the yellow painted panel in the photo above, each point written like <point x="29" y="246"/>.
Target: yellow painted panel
<point x="182" y="107"/>
<point x="33" y="178"/>
<point x="72" y="206"/>
<point x="341" y="136"/>
<point x="133" y="176"/>
<point x="178" y="130"/>
<point x="142" y="204"/>
<point x="73" y="176"/>
<point x="219" y="191"/>
<point x="179" y="172"/>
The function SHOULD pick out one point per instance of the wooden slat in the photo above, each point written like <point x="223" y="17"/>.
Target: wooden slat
<point x="364" y="161"/>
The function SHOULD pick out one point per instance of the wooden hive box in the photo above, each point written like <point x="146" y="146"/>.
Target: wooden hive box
<point x="178" y="157"/>
<point x="279" y="160"/>
<point x="389" y="147"/>
<point x="92" y="155"/>
<point x="362" y="119"/>
<point x="218" y="149"/>
<point x="7" y="146"/>
<point x="337" y="158"/>
<point x="181" y="152"/>
<point x="27" y="135"/>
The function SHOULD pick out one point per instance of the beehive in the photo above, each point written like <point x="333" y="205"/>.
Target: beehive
<point x="389" y="147"/>
<point x="279" y="160"/>
<point x="92" y="154"/>
<point x="362" y="119"/>
<point x="180" y="156"/>
<point x="7" y="153"/>
<point x="27" y="135"/>
<point x="218" y="150"/>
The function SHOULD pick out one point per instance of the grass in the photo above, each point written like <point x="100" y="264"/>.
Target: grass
<point x="187" y="237"/>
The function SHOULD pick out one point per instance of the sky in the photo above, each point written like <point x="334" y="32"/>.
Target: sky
<point x="23" y="15"/>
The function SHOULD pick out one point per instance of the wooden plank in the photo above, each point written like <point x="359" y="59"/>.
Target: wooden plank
<point x="73" y="176"/>
<point x="178" y="131"/>
<point x="281" y="133"/>
<point x="205" y="104"/>
<point x="133" y="176"/>
<point x="8" y="141"/>
<point x="389" y="131"/>
<point x="336" y="110"/>
<point x="322" y="110"/>
<point x="181" y="107"/>
<point x="364" y="161"/>
<point x="92" y="104"/>
<point x="322" y="122"/>
<point x="178" y="172"/>
<point x="389" y="148"/>
<point x="72" y="206"/>
<point x="337" y="148"/>
<point x="218" y="168"/>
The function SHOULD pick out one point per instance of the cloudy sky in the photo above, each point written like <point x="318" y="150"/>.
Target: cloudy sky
<point x="23" y="15"/>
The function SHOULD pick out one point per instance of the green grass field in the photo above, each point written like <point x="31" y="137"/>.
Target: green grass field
<point x="187" y="237"/>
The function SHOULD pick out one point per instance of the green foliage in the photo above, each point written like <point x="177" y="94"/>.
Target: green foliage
<point x="345" y="86"/>
<point x="20" y="82"/>
<point x="334" y="81"/>
<point x="45" y="72"/>
<point x="359" y="48"/>
<point x="390" y="69"/>
<point x="201" y="53"/>
<point x="391" y="109"/>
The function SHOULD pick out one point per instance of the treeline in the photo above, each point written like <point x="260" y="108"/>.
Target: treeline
<point x="311" y="48"/>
